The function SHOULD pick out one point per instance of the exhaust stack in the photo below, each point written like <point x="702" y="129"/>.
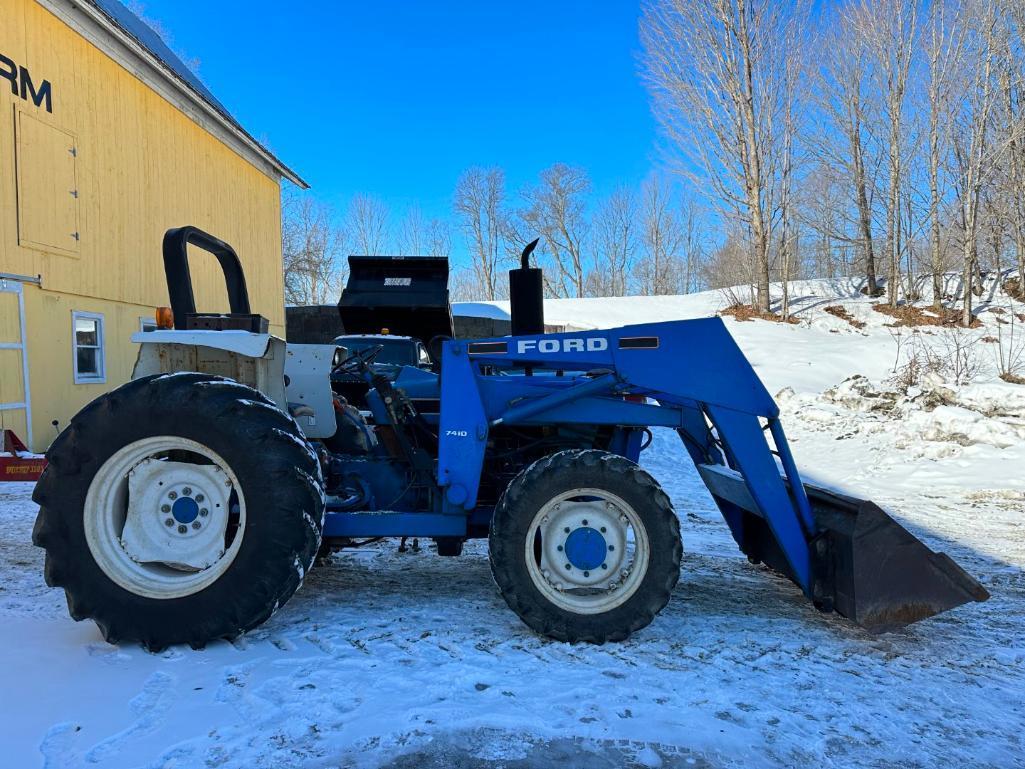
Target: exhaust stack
<point x="526" y="295"/>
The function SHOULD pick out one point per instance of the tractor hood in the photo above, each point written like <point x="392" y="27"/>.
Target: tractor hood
<point x="408" y="295"/>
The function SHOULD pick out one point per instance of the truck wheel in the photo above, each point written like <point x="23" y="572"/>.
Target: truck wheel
<point x="585" y="546"/>
<point x="179" y="508"/>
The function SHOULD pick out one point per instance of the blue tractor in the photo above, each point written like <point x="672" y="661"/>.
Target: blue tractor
<point x="190" y="503"/>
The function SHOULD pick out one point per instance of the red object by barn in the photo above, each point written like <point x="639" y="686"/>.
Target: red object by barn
<point x="17" y="463"/>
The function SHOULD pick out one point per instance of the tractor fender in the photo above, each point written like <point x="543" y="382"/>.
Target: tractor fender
<point x="256" y="360"/>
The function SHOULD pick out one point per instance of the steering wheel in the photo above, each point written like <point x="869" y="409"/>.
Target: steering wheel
<point x="361" y="359"/>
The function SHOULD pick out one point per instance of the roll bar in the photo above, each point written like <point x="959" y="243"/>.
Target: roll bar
<point x="179" y="280"/>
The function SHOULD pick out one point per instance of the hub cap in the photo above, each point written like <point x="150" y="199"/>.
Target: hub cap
<point x="587" y="551"/>
<point x="585" y="548"/>
<point x="164" y="517"/>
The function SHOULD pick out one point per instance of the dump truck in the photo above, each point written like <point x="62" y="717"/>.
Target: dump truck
<point x="412" y="294"/>
<point x="190" y="503"/>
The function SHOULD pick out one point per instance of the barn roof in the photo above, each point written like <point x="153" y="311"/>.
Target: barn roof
<point x="172" y="65"/>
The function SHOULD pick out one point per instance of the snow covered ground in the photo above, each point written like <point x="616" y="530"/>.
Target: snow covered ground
<point x="386" y="659"/>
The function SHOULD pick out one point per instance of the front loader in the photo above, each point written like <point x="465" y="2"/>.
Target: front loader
<point x="190" y="503"/>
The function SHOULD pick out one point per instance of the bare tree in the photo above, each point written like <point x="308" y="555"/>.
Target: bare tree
<point x="657" y="271"/>
<point x="479" y="205"/>
<point x="367" y="223"/>
<point x="692" y="245"/>
<point x="555" y="211"/>
<point x="975" y="152"/>
<point x="842" y="94"/>
<point x="821" y="207"/>
<point x="312" y="248"/>
<point x="463" y="285"/>
<point x="1012" y="87"/>
<point x="728" y="265"/>
<point x="715" y="71"/>
<point x="888" y="28"/>
<point x="615" y="243"/>
<point x="438" y="238"/>
<point x="412" y="234"/>
<point x="793" y="76"/>
<point x="419" y="236"/>
<point x="944" y="50"/>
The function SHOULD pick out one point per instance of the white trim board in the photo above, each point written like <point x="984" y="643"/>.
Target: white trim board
<point x="14" y="287"/>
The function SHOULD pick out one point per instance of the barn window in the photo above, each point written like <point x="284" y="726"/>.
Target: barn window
<point x="87" y="328"/>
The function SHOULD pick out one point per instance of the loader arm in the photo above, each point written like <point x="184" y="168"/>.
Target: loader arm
<point x="692" y="376"/>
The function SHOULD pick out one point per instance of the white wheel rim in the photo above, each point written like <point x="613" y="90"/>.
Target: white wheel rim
<point x="134" y="495"/>
<point x="594" y="551"/>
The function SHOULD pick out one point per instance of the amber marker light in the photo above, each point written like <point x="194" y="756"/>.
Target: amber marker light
<point x="165" y="318"/>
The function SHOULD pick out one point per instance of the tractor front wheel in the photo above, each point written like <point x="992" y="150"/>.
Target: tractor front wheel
<point x="585" y="546"/>
<point x="179" y="509"/>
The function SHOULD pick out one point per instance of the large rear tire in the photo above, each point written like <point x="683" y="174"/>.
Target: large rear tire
<point x="585" y="546"/>
<point x="179" y="508"/>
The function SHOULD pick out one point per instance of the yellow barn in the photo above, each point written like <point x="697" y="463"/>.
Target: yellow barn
<point x="107" y="140"/>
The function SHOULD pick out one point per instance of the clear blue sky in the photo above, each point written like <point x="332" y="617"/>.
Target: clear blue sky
<point x="397" y="97"/>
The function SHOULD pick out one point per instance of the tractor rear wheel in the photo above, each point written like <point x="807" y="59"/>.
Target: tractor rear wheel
<point x="585" y="546"/>
<point x="179" y="509"/>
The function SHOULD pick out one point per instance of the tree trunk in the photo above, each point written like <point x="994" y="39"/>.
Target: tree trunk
<point x="864" y="218"/>
<point x="753" y="165"/>
<point x="967" y="271"/>
<point x="936" y="260"/>
<point x="893" y="219"/>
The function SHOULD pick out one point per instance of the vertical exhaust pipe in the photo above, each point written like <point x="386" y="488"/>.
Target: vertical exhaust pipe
<point x="526" y="295"/>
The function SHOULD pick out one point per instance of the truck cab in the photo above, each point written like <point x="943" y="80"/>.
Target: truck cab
<point x="395" y="350"/>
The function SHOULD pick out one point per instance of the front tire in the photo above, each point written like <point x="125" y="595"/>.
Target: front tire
<point x="179" y="509"/>
<point x="585" y="546"/>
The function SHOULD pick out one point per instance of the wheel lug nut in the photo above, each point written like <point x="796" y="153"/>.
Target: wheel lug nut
<point x="602" y="529"/>
<point x="203" y="511"/>
<point x="169" y="522"/>
<point x="559" y="548"/>
<point x="182" y="529"/>
<point x="196" y="524"/>
<point x="605" y="566"/>
<point x="587" y="574"/>
<point x="612" y="547"/>
<point x="566" y="530"/>
<point x="187" y="490"/>
<point x="568" y="566"/>
<point x="200" y="497"/>
<point x="585" y="522"/>
<point x="165" y="508"/>
<point x="172" y="495"/>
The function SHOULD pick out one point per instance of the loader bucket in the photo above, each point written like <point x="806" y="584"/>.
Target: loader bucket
<point x="866" y="566"/>
<point x="877" y="572"/>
